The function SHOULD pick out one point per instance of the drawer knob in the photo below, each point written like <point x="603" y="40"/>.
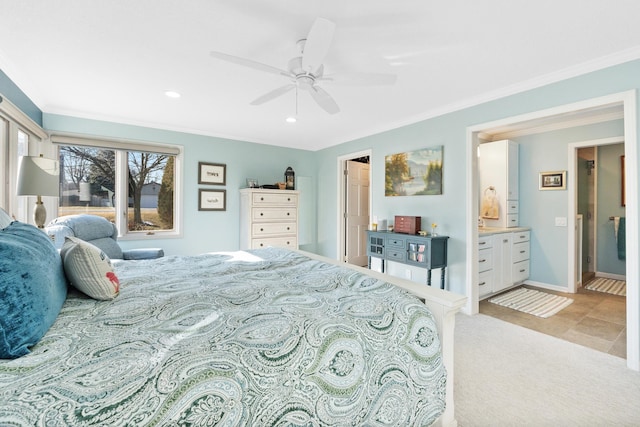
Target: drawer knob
<point x="288" y="228"/>
<point x="288" y="199"/>
<point x="261" y="214"/>
<point x="483" y="260"/>
<point x="288" y="243"/>
<point x="261" y="244"/>
<point x="288" y="213"/>
<point x="261" y="198"/>
<point x="505" y="241"/>
<point x="522" y="271"/>
<point x="482" y="243"/>
<point x="262" y="229"/>
<point x="522" y="252"/>
<point x="482" y="283"/>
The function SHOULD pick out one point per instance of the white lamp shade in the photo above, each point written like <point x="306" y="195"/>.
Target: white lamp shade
<point x="38" y="176"/>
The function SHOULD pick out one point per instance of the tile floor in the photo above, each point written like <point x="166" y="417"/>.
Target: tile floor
<point x="594" y="319"/>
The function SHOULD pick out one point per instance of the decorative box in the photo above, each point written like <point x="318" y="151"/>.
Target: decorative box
<point x="406" y="224"/>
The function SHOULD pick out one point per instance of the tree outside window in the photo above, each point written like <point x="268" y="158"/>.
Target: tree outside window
<point x="89" y="180"/>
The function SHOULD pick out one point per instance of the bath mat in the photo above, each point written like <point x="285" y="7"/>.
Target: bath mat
<point x="610" y="286"/>
<point x="537" y="303"/>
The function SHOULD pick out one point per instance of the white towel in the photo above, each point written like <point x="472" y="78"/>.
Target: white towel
<point x="616" y="225"/>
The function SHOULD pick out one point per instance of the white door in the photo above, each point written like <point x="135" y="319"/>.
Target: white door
<point x="356" y="212"/>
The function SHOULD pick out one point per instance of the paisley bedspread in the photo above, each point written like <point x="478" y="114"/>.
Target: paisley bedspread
<point x="266" y="337"/>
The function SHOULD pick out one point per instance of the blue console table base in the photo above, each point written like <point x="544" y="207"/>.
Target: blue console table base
<point x="427" y="252"/>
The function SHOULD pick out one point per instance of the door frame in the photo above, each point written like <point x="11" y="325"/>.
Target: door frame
<point x="341" y="197"/>
<point x="572" y="197"/>
<point x="627" y="100"/>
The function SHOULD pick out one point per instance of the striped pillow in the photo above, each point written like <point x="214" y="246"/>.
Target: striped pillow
<point x="89" y="269"/>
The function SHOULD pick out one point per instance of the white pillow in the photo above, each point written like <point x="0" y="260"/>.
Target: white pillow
<point x="89" y="269"/>
<point x="5" y="219"/>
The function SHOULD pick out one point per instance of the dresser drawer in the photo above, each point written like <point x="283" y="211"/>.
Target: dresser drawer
<point x="282" y="242"/>
<point x="485" y="280"/>
<point x="485" y="259"/>
<point x="485" y="242"/>
<point x="396" y="242"/>
<point x="279" y="214"/>
<point x="513" y="220"/>
<point x="520" y="271"/>
<point x="520" y="251"/>
<point x="395" y="254"/>
<point x="521" y="236"/>
<point x="280" y="199"/>
<point x="265" y="229"/>
<point x="512" y="206"/>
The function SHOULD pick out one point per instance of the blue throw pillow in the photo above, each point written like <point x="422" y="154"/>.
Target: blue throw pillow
<point x="32" y="287"/>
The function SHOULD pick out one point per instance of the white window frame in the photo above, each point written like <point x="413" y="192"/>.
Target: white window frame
<point x="17" y="121"/>
<point x="121" y="148"/>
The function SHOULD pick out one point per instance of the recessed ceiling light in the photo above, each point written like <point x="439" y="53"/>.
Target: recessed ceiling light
<point x="291" y="119"/>
<point x="172" y="94"/>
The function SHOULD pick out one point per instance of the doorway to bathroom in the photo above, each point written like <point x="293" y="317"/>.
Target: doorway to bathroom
<point x="599" y="205"/>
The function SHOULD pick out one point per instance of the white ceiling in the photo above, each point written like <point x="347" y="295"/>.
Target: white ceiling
<point x="113" y="60"/>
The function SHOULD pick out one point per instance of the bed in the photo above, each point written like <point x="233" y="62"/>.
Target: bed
<point x="267" y="337"/>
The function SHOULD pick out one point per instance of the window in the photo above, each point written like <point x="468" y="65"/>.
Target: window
<point x="19" y="136"/>
<point x="130" y="184"/>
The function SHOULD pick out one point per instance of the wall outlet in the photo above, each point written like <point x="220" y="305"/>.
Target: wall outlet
<point x="407" y="274"/>
<point x="561" y="221"/>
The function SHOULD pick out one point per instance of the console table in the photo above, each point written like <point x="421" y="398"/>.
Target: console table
<point x="420" y="251"/>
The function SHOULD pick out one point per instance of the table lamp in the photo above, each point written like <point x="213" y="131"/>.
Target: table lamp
<point x="38" y="176"/>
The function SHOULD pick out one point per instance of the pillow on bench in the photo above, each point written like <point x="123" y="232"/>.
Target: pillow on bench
<point x="32" y="287"/>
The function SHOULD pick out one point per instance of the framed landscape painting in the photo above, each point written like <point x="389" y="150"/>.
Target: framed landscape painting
<point x="415" y="173"/>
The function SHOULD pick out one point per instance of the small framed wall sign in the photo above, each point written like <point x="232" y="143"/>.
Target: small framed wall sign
<point x="212" y="173"/>
<point x="212" y="200"/>
<point x="555" y="180"/>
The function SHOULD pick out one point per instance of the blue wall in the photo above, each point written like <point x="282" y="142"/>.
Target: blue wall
<point x="538" y="209"/>
<point x="448" y="210"/>
<point x="18" y="98"/>
<point x="206" y="231"/>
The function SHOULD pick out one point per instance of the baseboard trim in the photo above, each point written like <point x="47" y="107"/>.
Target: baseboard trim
<point x="611" y="276"/>
<point x="547" y="286"/>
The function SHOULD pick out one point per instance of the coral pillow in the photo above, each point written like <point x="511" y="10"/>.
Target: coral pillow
<point x="32" y="287"/>
<point x="89" y="269"/>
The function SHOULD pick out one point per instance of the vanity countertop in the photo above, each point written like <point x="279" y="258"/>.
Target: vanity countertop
<point x="486" y="231"/>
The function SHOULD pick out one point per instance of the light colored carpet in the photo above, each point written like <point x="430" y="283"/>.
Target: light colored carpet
<point x="507" y="375"/>
<point x="610" y="286"/>
<point x="537" y="303"/>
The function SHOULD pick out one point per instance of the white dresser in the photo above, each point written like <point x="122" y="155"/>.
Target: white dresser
<point x="485" y="266"/>
<point x="268" y="218"/>
<point x="503" y="259"/>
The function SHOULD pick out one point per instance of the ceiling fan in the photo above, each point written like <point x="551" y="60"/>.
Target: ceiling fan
<point x="306" y="71"/>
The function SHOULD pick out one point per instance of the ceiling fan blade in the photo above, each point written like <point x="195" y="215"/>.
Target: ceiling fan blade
<point x="362" y="79"/>
<point x="249" y="63"/>
<point x="273" y="94"/>
<point x="324" y="100"/>
<point x="317" y="44"/>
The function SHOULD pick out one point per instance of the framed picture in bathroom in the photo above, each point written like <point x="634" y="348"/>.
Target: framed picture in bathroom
<point x="554" y="180"/>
